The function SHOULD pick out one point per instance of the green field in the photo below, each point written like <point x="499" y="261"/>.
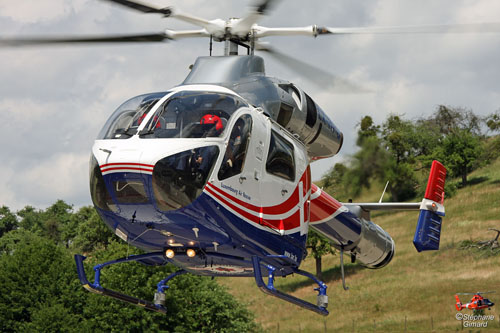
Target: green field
<point x="416" y="290"/>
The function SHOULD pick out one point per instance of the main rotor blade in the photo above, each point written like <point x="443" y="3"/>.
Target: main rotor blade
<point x="214" y="27"/>
<point x="313" y="30"/>
<point x="142" y="38"/>
<point x="316" y="75"/>
<point x="265" y="5"/>
<point x="491" y="27"/>
<point x="478" y="293"/>
<point x="259" y="9"/>
<point x="143" y="7"/>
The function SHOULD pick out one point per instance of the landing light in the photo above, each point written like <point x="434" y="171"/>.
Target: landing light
<point x="170" y="253"/>
<point x="191" y="253"/>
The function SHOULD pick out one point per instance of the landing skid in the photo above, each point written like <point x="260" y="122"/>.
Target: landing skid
<point x="271" y="290"/>
<point x="159" y="299"/>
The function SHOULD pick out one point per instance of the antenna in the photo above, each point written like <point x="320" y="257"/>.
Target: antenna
<point x="382" y="196"/>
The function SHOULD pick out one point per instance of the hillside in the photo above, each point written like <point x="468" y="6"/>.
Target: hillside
<point x="418" y="287"/>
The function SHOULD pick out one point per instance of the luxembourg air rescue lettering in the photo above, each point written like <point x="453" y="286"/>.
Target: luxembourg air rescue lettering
<point x="236" y="191"/>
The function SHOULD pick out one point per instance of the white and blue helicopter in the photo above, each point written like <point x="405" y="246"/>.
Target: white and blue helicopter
<point x="213" y="175"/>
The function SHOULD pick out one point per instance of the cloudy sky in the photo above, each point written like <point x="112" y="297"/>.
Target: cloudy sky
<point x="54" y="100"/>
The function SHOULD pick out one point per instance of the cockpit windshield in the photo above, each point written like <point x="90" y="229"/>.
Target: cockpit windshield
<point x="125" y="121"/>
<point x="192" y="114"/>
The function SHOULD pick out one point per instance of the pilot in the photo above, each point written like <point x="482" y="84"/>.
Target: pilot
<point x="212" y="119"/>
<point x="234" y="145"/>
<point x="144" y="115"/>
<point x="203" y="158"/>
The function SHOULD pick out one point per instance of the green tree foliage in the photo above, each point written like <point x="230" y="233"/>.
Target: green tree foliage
<point x="459" y="152"/>
<point x="37" y="278"/>
<point x="366" y="164"/>
<point x="53" y="223"/>
<point x="367" y="129"/>
<point x="399" y="139"/>
<point x="462" y="142"/>
<point x="90" y="231"/>
<point x="30" y="219"/>
<point x="319" y="247"/>
<point x="41" y="291"/>
<point x="449" y="119"/>
<point x="493" y="121"/>
<point x="333" y="180"/>
<point x="8" y="220"/>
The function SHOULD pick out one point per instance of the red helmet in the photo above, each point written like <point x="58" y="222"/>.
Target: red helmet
<point x="212" y="119"/>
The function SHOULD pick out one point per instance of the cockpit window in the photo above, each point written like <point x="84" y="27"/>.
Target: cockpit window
<point x="234" y="158"/>
<point x="125" y="121"/>
<point x="179" y="179"/>
<point x="192" y="114"/>
<point x="280" y="160"/>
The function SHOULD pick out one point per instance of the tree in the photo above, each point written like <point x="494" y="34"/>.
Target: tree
<point x="8" y="220"/>
<point x="90" y="232"/>
<point x="461" y="143"/>
<point x="31" y="219"/>
<point x="399" y="139"/>
<point x="459" y="151"/>
<point x="398" y="136"/>
<point x="365" y="165"/>
<point x="41" y="291"/>
<point x="55" y="221"/>
<point x="493" y="121"/>
<point x="37" y="277"/>
<point x="319" y="246"/>
<point x="450" y="119"/>
<point x="333" y="181"/>
<point x="367" y="129"/>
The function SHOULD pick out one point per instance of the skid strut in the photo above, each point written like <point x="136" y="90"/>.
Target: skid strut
<point x="95" y="287"/>
<point x="271" y="290"/>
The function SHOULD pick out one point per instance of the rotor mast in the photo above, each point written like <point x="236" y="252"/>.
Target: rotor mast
<point x="230" y="48"/>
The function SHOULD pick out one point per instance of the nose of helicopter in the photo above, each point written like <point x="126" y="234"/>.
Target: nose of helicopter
<point x="155" y="195"/>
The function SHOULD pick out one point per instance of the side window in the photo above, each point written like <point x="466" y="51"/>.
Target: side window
<point x="234" y="158"/>
<point x="280" y="160"/>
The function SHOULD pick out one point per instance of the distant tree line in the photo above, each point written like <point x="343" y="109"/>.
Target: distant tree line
<point x="41" y="291"/>
<point x="401" y="151"/>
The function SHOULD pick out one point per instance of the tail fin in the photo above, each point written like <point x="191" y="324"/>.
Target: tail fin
<point x="458" y="304"/>
<point x="428" y="232"/>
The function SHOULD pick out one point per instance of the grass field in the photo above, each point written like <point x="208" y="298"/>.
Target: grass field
<point x="415" y="291"/>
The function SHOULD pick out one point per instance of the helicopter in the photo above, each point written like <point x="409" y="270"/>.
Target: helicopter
<point x="214" y="176"/>
<point x="477" y="302"/>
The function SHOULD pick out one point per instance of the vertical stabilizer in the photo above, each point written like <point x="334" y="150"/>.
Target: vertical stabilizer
<point x="428" y="232"/>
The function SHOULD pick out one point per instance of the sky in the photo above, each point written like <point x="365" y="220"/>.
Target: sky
<point x="54" y="100"/>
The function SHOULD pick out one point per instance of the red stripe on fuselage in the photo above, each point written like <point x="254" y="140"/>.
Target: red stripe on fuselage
<point x="281" y="208"/>
<point x="134" y="164"/>
<point x="288" y="223"/>
<point x="323" y="206"/>
<point x="126" y="168"/>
